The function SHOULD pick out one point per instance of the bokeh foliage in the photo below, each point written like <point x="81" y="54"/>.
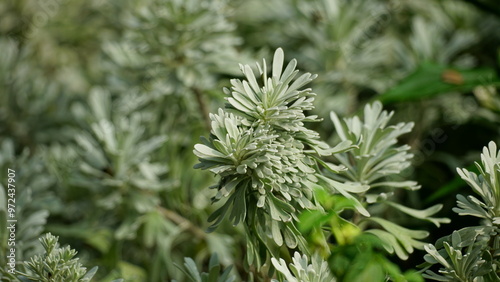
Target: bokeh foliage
<point x="102" y="103"/>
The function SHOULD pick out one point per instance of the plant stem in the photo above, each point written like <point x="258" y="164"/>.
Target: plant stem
<point x="203" y="106"/>
<point x="182" y="221"/>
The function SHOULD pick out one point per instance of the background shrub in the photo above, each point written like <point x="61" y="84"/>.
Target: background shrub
<point x="102" y="103"/>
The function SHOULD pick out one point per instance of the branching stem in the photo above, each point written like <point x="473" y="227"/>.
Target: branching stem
<point x="182" y="221"/>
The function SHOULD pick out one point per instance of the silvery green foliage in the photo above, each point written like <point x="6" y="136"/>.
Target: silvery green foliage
<point x="376" y="164"/>
<point x="300" y="270"/>
<point x="252" y="146"/>
<point x="343" y="37"/>
<point x="112" y="163"/>
<point x="121" y="160"/>
<point x="486" y="185"/>
<point x="356" y="45"/>
<point x="465" y="256"/>
<point x="176" y="44"/>
<point x="259" y="148"/>
<point x="56" y="264"/>
<point x="438" y="45"/>
<point x="32" y="182"/>
<point x="213" y="275"/>
<point x="473" y="253"/>
<point x="108" y="151"/>
<point x="346" y="42"/>
<point x="26" y="94"/>
<point x="115" y="156"/>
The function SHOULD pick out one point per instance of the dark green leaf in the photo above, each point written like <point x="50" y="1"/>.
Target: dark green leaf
<point x="430" y="80"/>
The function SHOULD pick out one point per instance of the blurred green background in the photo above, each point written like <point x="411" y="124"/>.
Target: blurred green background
<point x="101" y="103"/>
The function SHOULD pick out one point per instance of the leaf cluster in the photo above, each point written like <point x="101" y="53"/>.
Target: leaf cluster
<point x="472" y="253"/>
<point x="263" y="153"/>
<point x="213" y="275"/>
<point x="56" y="264"/>
<point x="268" y="164"/>
<point x="370" y="178"/>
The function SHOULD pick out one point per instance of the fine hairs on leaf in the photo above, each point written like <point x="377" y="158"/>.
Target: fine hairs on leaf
<point x="472" y="253"/>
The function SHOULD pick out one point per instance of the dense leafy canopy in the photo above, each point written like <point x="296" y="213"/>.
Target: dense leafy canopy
<point x="102" y="104"/>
